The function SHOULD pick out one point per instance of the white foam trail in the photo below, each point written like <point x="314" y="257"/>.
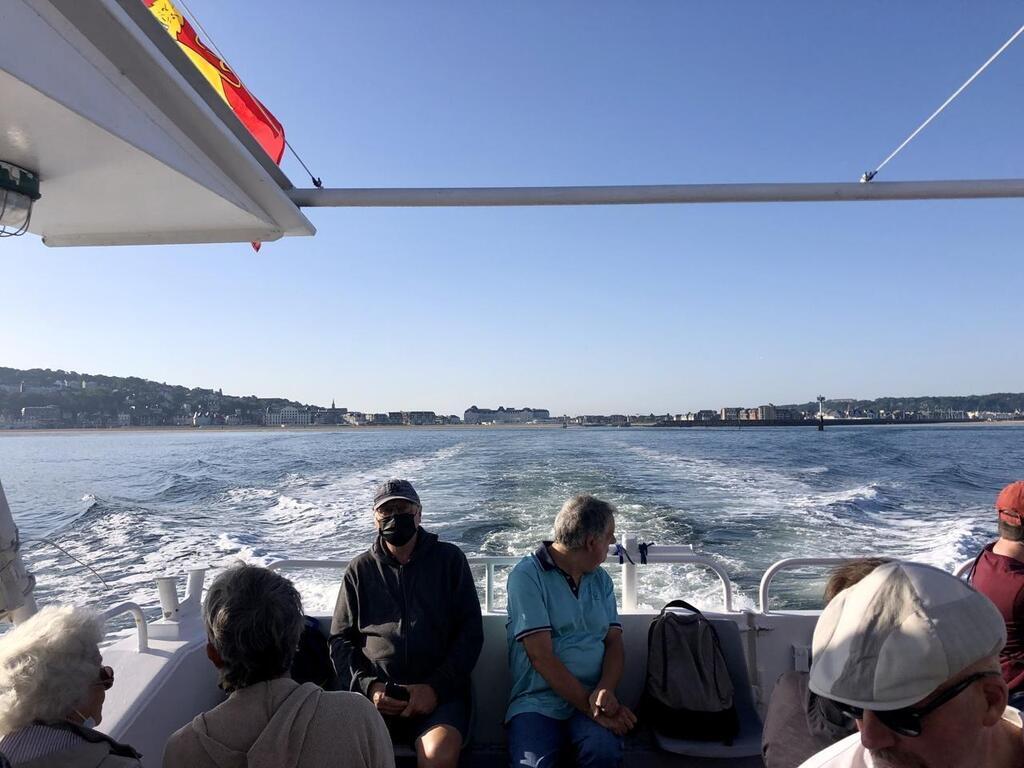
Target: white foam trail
<point x="494" y="496"/>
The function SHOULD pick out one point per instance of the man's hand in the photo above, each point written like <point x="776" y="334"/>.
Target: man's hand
<point x="621" y="724"/>
<point x="422" y="700"/>
<point x="603" y="702"/>
<point x="384" y="703"/>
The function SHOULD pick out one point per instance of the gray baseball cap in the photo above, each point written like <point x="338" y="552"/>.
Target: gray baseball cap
<point x="905" y="629"/>
<point x="395" y="489"/>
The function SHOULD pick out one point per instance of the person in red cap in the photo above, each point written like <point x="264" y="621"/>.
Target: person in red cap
<point x="998" y="573"/>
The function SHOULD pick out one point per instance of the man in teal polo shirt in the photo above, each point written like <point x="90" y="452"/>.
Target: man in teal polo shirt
<point x="565" y="646"/>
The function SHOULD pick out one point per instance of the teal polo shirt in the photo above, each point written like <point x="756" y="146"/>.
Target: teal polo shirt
<point x="543" y="598"/>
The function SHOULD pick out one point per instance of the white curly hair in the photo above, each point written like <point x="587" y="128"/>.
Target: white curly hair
<point x="47" y="664"/>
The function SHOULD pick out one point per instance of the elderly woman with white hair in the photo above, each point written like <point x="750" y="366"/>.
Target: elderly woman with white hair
<point x="52" y="687"/>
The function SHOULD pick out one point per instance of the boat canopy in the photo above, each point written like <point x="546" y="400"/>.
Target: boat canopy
<point x="131" y="144"/>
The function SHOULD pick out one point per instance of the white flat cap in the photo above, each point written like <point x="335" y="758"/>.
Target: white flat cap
<point x="897" y="635"/>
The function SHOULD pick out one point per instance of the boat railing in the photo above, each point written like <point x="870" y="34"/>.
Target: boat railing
<point x="628" y="554"/>
<point x="790" y="564"/>
<point x="140" y="621"/>
<point x="794" y="563"/>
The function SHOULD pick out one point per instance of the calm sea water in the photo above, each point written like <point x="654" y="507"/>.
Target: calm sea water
<point x="139" y="505"/>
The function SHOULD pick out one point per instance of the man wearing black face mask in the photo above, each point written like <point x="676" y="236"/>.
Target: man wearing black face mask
<point x="407" y="630"/>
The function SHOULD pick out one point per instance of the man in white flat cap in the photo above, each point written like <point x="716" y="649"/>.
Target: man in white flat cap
<point x="911" y="653"/>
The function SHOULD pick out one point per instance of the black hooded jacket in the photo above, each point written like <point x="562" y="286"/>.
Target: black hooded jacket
<point x="413" y="623"/>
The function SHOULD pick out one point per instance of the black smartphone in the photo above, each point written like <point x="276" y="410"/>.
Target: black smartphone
<point x="395" y="691"/>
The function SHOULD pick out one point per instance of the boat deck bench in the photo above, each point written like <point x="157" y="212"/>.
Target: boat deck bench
<point x="491" y="685"/>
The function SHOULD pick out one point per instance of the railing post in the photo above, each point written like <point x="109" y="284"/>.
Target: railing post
<point x="489" y="588"/>
<point x="167" y="588"/>
<point x="629" y="543"/>
<point x="140" y="621"/>
<point x="194" y="591"/>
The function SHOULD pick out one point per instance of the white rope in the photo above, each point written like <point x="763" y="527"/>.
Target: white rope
<point x="84" y="565"/>
<point x="871" y="174"/>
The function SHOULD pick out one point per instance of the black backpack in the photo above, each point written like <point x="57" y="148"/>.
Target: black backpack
<point x="689" y="693"/>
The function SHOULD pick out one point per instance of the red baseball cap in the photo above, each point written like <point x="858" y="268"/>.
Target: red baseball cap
<point x="1010" y="503"/>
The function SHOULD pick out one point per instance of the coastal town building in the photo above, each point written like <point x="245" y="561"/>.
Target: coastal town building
<point x="419" y="418"/>
<point x="42" y="415"/>
<point x="503" y="415"/>
<point x="93" y="420"/>
<point x="287" y="416"/>
<point x="329" y="416"/>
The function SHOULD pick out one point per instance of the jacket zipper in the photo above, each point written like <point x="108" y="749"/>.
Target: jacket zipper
<point x="405" y="626"/>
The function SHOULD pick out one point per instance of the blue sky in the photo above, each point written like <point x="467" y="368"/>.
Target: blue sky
<point x="606" y="309"/>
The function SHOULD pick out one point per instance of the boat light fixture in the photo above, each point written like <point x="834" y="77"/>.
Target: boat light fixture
<point x="19" y="189"/>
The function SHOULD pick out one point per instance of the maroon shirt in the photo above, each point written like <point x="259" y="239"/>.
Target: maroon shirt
<point x="1001" y="580"/>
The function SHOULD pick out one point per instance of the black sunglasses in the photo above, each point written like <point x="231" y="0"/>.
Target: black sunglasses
<point x="907" y="721"/>
<point x="106" y="678"/>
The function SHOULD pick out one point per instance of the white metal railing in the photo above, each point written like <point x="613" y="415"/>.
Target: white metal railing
<point x="631" y="560"/>
<point x="140" y="621"/>
<point x="488" y="562"/>
<point x="790" y="564"/>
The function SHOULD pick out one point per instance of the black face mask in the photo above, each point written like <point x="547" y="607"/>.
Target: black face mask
<point x="397" y="530"/>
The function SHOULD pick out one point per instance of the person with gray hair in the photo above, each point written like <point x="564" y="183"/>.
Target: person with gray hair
<point x="911" y="655"/>
<point x="253" y="618"/>
<point x="565" y="646"/>
<point x="52" y="687"/>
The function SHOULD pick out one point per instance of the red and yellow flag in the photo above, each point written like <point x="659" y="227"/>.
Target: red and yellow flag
<point x="264" y="127"/>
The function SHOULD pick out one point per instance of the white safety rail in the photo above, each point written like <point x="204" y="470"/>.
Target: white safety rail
<point x="791" y="564"/>
<point x="794" y="563"/>
<point x="140" y="621"/>
<point x="656" y="555"/>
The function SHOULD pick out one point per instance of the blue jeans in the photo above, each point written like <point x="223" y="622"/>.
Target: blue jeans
<point x="537" y="741"/>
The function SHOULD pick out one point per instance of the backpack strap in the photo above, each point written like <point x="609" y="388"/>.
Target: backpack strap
<point x="974" y="565"/>
<point x="681" y="604"/>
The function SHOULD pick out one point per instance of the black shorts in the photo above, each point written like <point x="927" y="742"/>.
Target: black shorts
<point x="454" y="712"/>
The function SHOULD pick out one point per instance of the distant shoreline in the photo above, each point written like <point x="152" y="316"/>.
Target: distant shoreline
<point x="215" y="429"/>
<point x="258" y="428"/>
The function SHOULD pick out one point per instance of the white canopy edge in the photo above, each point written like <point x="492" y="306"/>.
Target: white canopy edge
<point x="659" y="194"/>
<point x="120" y="124"/>
<point x="134" y="41"/>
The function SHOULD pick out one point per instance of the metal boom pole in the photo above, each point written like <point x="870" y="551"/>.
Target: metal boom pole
<point x="656" y="194"/>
